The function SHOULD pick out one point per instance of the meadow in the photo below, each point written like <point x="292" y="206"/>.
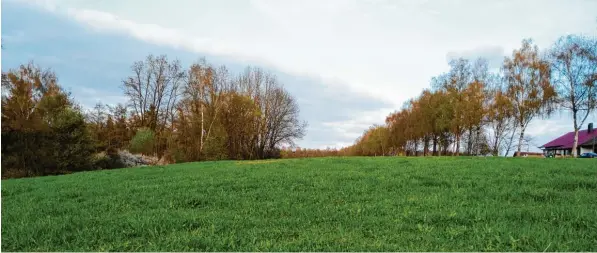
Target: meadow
<point x="318" y="204"/>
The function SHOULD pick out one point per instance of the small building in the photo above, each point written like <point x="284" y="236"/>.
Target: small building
<point x="587" y="142"/>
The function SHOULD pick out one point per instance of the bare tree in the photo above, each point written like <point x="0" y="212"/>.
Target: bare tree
<point x="97" y="115"/>
<point x="279" y="119"/>
<point x="574" y="75"/>
<point x="153" y="90"/>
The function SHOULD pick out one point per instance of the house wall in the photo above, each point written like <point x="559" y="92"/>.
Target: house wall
<point x="585" y="150"/>
<point x="563" y="152"/>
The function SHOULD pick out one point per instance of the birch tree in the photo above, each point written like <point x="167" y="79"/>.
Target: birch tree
<point x="527" y="76"/>
<point x="574" y="76"/>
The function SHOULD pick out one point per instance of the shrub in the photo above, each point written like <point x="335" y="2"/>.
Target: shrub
<point x="127" y="159"/>
<point x="105" y="161"/>
<point x="63" y="146"/>
<point x="143" y="141"/>
<point x="130" y="160"/>
<point x="72" y="146"/>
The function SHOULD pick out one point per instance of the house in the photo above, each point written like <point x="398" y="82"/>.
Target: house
<point x="587" y="142"/>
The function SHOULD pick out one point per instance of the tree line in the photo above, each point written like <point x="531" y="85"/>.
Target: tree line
<point x="474" y="111"/>
<point x="202" y="112"/>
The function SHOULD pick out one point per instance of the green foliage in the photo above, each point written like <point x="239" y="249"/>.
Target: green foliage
<point x="72" y="145"/>
<point x="65" y="146"/>
<point x="322" y="204"/>
<point x="43" y="132"/>
<point x="215" y="147"/>
<point x="143" y="142"/>
<point x="103" y="161"/>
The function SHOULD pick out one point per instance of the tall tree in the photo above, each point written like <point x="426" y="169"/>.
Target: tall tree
<point x="499" y="117"/>
<point x="203" y="101"/>
<point x="528" y="85"/>
<point x="279" y="119"/>
<point x="96" y="123"/>
<point x="153" y="89"/>
<point x="474" y="113"/>
<point x="252" y="114"/>
<point x="43" y="131"/>
<point x="454" y="83"/>
<point x="239" y="119"/>
<point x="575" y="75"/>
<point x="477" y="103"/>
<point x="122" y="131"/>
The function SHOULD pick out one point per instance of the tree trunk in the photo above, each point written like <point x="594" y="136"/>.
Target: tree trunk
<point x="201" y="136"/>
<point x="457" y="153"/>
<point x="511" y="140"/>
<point x="425" y="145"/>
<point x="469" y="144"/>
<point x="575" y="144"/>
<point x="520" y="139"/>
<point x="496" y="147"/>
<point x="434" y="145"/>
<point x="477" y="140"/>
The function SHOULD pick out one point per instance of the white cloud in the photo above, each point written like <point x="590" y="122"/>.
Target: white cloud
<point x="353" y="128"/>
<point x="389" y="49"/>
<point x="89" y="97"/>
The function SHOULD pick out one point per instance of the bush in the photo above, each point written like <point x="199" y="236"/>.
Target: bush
<point x="130" y="160"/>
<point x="106" y="161"/>
<point x="26" y="153"/>
<point x="143" y="141"/>
<point x="72" y="146"/>
<point x="178" y="156"/>
<point x="275" y="153"/>
<point x="63" y="146"/>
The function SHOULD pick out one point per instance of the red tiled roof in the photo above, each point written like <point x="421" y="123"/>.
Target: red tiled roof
<point x="567" y="140"/>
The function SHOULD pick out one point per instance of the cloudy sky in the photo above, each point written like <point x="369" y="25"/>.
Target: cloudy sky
<point x="348" y="62"/>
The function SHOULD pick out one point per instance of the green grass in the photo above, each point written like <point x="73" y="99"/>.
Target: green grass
<point x="322" y="204"/>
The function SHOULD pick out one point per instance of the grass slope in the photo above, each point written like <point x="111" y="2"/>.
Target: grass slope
<point x="323" y="204"/>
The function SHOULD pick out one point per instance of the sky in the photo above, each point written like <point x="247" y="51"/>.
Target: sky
<point x="349" y="63"/>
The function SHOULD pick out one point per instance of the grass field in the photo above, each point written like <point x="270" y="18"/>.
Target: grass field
<point x="322" y="204"/>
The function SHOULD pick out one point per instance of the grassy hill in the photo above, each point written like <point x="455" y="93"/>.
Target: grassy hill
<point x="323" y="204"/>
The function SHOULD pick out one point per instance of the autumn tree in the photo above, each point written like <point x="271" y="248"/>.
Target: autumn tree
<point x="279" y="121"/>
<point x="574" y="74"/>
<point x="476" y="101"/>
<point x="43" y="131"/>
<point x="153" y="91"/>
<point x="240" y="119"/>
<point x="500" y="118"/>
<point x="401" y="130"/>
<point x="455" y="83"/>
<point x="396" y="139"/>
<point x="200" y="107"/>
<point x="121" y="132"/>
<point x="527" y="77"/>
<point x="250" y="115"/>
<point x="374" y="141"/>
<point x="428" y="120"/>
<point x="96" y="123"/>
<point x="442" y="115"/>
